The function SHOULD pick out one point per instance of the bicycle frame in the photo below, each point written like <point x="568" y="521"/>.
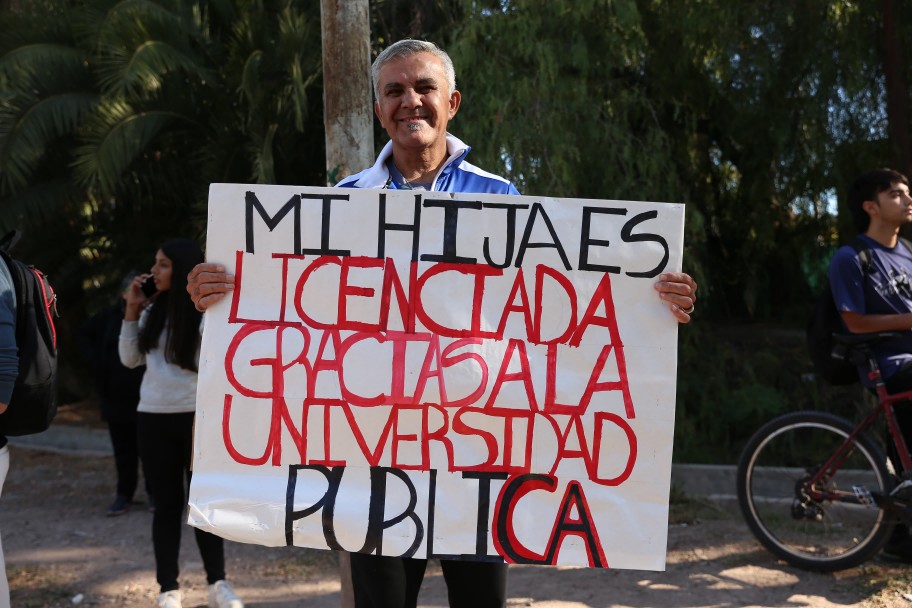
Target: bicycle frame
<point x="885" y="405"/>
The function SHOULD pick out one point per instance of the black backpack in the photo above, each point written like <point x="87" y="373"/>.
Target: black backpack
<point x="34" y="401"/>
<point x="825" y="321"/>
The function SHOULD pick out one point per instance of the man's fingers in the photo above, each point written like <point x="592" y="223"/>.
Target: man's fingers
<point x="682" y="302"/>
<point x="678" y="283"/>
<point x="205" y="267"/>
<point x="679" y="290"/>
<point x="208" y="300"/>
<point x="679" y="314"/>
<point x="207" y="284"/>
<point x="214" y="284"/>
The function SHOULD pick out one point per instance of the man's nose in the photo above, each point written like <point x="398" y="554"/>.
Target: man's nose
<point x="411" y="98"/>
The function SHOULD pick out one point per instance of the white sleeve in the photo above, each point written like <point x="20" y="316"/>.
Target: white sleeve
<point x="128" y="345"/>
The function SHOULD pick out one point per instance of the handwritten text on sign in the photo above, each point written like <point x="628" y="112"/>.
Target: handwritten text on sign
<point x="469" y="376"/>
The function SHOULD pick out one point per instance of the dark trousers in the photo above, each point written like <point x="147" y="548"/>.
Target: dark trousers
<point x="899" y="382"/>
<point x="394" y="582"/>
<point x="165" y="448"/>
<point x="126" y="456"/>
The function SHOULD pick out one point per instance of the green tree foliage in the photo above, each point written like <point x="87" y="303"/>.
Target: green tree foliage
<point x="116" y="115"/>
<point x="754" y="114"/>
<point x="135" y="106"/>
<point x="553" y="96"/>
<point x="748" y="112"/>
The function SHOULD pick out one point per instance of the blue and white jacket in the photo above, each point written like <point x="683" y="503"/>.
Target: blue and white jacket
<point x="456" y="175"/>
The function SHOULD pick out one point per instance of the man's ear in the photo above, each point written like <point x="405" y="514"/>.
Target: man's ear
<point x="455" y="100"/>
<point x="870" y="207"/>
<point x="377" y="113"/>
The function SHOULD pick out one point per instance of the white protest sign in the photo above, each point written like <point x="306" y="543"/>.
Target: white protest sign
<point x="428" y="374"/>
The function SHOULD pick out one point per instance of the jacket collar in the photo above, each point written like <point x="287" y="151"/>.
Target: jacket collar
<point x="378" y="175"/>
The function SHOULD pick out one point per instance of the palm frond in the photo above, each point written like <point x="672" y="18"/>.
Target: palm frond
<point x="250" y="77"/>
<point x="35" y="206"/>
<point x="137" y="18"/>
<point x="298" y="93"/>
<point x="136" y="43"/>
<point x="117" y="136"/>
<point x="124" y="72"/>
<point x="264" y="157"/>
<point x="28" y="126"/>
<point x="296" y="33"/>
<point x="41" y="65"/>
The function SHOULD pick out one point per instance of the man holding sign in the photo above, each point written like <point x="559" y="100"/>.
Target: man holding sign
<point x="414" y="84"/>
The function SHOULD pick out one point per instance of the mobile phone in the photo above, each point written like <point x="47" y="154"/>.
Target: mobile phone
<point x="148" y="286"/>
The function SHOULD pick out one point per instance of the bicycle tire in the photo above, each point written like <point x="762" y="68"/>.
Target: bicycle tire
<point x="814" y="534"/>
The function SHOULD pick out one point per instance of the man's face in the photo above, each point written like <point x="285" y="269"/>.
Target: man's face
<point x="894" y="206"/>
<point x="415" y="102"/>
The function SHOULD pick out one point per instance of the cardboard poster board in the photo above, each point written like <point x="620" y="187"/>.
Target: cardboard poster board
<point x="470" y="376"/>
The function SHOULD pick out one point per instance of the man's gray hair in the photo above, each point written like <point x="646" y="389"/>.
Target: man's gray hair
<point x="407" y="47"/>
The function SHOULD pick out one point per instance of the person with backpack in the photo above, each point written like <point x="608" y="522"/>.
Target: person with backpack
<point x="9" y="369"/>
<point x="162" y="332"/>
<point x="872" y="290"/>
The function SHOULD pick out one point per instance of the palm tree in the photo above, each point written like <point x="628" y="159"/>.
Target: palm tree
<point x="128" y="109"/>
<point x="116" y="115"/>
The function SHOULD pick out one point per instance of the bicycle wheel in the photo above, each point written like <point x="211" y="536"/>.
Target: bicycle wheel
<point x="835" y="523"/>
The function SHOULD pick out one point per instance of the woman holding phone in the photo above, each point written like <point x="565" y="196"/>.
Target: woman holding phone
<point x="161" y="329"/>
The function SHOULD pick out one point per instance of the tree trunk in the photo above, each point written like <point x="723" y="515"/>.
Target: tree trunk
<point x="348" y="122"/>
<point x="346" y="87"/>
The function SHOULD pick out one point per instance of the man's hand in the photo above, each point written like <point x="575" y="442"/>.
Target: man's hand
<point x="3" y="407"/>
<point x="680" y="291"/>
<point x="207" y="284"/>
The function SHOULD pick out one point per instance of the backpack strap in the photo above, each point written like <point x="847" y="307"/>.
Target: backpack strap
<point x="863" y="249"/>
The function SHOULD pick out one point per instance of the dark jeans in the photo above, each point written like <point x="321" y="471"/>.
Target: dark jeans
<point x="165" y="448"/>
<point x="899" y="382"/>
<point x="126" y="456"/>
<point x="394" y="582"/>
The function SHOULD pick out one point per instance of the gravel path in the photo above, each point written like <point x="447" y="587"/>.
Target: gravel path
<point x="62" y="551"/>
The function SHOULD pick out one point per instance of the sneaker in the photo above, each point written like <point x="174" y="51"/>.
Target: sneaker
<point x="170" y="599"/>
<point x="221" y="595"/>
<point x="120" y="506"/>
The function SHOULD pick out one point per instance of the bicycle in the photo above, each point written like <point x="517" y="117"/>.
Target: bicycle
<point x="816" y="489"/>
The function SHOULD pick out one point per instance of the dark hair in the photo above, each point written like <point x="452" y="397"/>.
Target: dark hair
<point x="866" y="187"/>
<point x="175" y="306"/>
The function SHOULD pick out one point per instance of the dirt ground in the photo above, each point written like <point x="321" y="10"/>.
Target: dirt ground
<point x="61" y="550"/>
